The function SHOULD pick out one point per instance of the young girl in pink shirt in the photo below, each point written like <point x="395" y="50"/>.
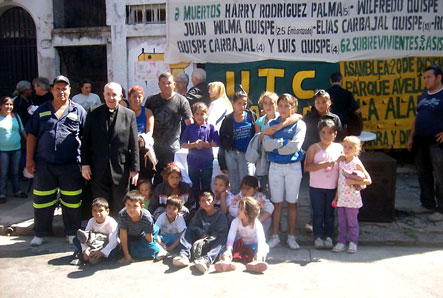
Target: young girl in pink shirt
<point x="321" y="162"/>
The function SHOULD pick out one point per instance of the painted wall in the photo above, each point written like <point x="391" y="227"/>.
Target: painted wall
<point x="41" y="12"/>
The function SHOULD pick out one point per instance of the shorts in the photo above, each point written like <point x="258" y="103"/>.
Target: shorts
<point x="284" y="182"/>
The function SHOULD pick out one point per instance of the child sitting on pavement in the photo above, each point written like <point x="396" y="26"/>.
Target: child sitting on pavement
<point x="171" y="224"/>
<point x="172" y="185"/>
<point x="99" y="239"/>
<point x="137" y="230"/>
<point x="145" y="187"/>
<point x="246" y="240"/>
<point x="249" y="187"/>
<point x="223" y="197"/>
<point x="205" y="236"/>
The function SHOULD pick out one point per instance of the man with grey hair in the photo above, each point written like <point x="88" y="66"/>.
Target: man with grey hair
<point x="182" y="82"/>
<point x="199" y="92"/>
<point x="22" y="101"/>
<point x="41" y="86"/>
<point x="109" y="152"/>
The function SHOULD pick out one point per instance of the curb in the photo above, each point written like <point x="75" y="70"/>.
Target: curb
<point x="24" y="229"/>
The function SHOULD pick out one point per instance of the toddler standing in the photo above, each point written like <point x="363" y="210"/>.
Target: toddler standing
<point x="348" y="197"/>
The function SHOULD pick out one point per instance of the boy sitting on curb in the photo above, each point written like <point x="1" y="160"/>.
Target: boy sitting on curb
<point x="99" y="239"/>
<point x="137" y="230"/>
<point x="205" y="236"/>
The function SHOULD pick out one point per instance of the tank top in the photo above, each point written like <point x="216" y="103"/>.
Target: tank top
<point x="326" y="178"/>
<point x="141" y="121"/>
<point x="348" y="196"/>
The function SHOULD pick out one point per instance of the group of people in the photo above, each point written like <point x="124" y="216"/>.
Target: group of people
<point x="226" y="218"/>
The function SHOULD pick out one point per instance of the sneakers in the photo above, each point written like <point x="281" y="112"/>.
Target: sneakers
<point x="352" y="248"/>
<point x="328" y="243"/>
<point x="202" y="265"/>
<point x="319" y="243"/>
<point x="339" y="247"/>
<point x="180" y="261"/>
<point x="21" y="195"/>
<point x="37" y="241"/>
<point x="82" y="236"/>
<point x="274" y="241"/>
<point x="421" y="210"/>
<point x="75" y="260"/>
<point x="257" y="267"/>
<point x="435" y="217"/>
<point x="292" y="243"/>
<point x="308" y="228"/>
<point x="70" y="239"/>
<point x="224" y="266"/>
<point x="162" y="253"/>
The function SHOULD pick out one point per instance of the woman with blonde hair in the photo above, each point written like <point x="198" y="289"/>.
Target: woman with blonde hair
<point x="220" y="104"/>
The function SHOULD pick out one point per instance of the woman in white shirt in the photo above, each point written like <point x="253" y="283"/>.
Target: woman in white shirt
<point x="86" y="98"/>
<point x="220" y="104"/>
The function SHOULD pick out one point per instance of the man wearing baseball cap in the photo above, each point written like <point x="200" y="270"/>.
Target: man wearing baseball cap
<point x="53" y="155"/>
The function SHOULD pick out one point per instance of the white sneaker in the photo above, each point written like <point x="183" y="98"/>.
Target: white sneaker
<point x="435" y="217"/>
<point x="274" y="241"/>
<point x="292" y="243"/>
<point x="70" y="239"/>
<point x="352" y="249"/>
<point x="180" y="261"/>
<point x="37" y="241"/>
<point x="339" y="247"/>
<point x="201" y="265"/>
<point x="319" y="243"/>
<point x="328" y="242"/>
<point x="162" y="253"/>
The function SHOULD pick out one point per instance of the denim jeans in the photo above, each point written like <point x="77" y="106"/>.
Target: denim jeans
<point x="238" y="168"/>
<point x="10" y="162"/>
<point x="323" y="212"/>
<point x="142" y="249"/>
<point x="201" y="179"/>
<point x="429" y="164"/>
<point x="187" y="239"/>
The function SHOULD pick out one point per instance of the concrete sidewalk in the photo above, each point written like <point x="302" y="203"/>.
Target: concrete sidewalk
<point x="407" y="229"/>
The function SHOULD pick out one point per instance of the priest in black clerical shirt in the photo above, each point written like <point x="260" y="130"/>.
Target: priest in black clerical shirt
<point x="110" y="158"/>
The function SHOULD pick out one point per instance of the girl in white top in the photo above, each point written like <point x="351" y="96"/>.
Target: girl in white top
<point x="220" y="104"/>
<point x="86" y="98"/>
<point x="249" y="188"/>
<point x="247" y="228"/>
<point x="348" y="198"/>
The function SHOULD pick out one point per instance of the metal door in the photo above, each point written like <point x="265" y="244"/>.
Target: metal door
<point x="18" y="50"/>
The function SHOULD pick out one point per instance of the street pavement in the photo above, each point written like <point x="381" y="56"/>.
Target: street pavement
<point x="371" y="272"/>
<point x="399" y="259"/>
<point x="407" y="229"/>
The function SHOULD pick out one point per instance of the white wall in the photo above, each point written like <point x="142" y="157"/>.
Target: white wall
<point x="41" y="12"/>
